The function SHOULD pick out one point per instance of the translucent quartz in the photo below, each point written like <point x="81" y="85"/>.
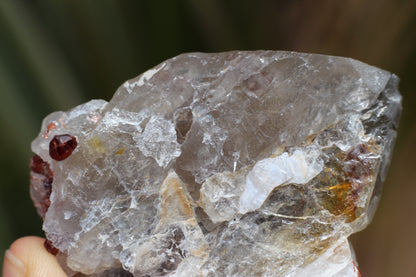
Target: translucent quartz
<point x="231" y="164"/>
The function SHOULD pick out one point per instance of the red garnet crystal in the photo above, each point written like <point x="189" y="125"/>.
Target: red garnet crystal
<point x="62" y="146"/>
<point x="38" y="165"/>
<point x="41" y="179"/>
<point x="50" y="248"/>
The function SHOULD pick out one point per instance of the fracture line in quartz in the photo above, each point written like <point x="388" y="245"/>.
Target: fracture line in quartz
<point x="288" y="216"/>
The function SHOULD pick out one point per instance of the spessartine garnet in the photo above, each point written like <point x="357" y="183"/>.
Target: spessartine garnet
<point x="41" y="179"/>
<point x="39" y="166"/>
<point x="50" y="248"/>
<point x="62" y="146"/>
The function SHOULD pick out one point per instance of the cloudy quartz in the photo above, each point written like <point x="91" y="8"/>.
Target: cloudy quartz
<point x="231" y="164"/>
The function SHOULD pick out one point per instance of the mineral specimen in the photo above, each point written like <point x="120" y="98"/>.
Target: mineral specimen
<point x="231" y="164"/>
<point x="61" y="147"/>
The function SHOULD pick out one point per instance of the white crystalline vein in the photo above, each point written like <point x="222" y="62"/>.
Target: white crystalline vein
<point x="149" y="74"/>
<point x="143" y="78"/>
<point x="118" y="117"/>
<point x="267" y="174"/>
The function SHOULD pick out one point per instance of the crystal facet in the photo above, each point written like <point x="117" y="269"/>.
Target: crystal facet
<point x="61" y="147"/>
<point x="231" y="164"/>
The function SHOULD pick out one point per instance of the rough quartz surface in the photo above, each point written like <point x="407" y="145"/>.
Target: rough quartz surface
<point x="231" y="164"/>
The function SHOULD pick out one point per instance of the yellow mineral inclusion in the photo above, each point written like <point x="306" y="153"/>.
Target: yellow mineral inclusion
<point x="96" y="144"/>
<point x="120" y="151"/>
<point x="341" y="200"/>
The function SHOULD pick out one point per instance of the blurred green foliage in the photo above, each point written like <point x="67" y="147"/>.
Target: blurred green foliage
<point x="57" y="54"/>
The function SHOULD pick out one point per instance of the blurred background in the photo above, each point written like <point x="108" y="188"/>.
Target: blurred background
<point x="57" y="54"/>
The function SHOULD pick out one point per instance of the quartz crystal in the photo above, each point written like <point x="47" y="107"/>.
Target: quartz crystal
<point x="231" y="164"/>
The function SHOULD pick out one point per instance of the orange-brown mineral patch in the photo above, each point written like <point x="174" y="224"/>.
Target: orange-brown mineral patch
<point x="51" y="126"/>
<point x="357" y="163"/>
<point x="340" y="186"/>
<point x="341" y="199"/>
<point x="175" y="201"/>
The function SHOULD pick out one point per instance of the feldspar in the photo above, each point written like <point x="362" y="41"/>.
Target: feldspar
<point x="231" y="164"/>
